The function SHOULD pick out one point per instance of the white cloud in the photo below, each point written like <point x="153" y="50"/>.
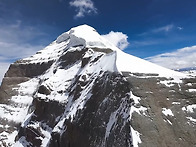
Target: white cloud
<point x="118" y="39"/>
<point x="83" y="7"/>
<point x="181" y="58"/>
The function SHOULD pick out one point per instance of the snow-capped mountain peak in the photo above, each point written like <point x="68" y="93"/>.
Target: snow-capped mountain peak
<point x="85" y="36"/>
<point x="81" y="90"/>
<point x="88" y="35"/>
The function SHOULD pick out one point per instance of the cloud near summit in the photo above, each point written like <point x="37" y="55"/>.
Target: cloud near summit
<point x="83" y="7"/>
<point x="118" y="39"/>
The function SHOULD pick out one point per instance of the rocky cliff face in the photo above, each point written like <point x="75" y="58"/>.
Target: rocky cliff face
<point x="83" y="91"/>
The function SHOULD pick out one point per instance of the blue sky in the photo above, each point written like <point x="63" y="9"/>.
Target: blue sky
<point x="157" y="30"/>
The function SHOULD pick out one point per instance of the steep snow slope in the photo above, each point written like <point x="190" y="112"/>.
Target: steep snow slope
<point x="87" y="36"/>
<point x="75" y="86"/>
<point x="126" y="62"/>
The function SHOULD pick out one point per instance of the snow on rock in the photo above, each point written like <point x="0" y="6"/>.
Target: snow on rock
<point x="112" y="121"/>
<point x="8" y="138"/>
<point x="18" y="110"/>
<point x="192" y="119"/>
<point x="124" y="62"/>
<point x="189" y="108"/>
<point x="175" y="103"/>
<point x="167" y="112"/>
<point x="22" y="143"/>
<point x="191" y="90"/>
<point x="167" y="120"/>
<point x="190" y="72"/>
<point x="100" y="56"/>
<point x="168" y="83"/>
<point x="91" y="37"/>
<point x="49" y="53"/>
<point x="87" y="36"/>
<point x="135" y="137"/>
<point x="136" y="107"/>
<point x="105" y="63"/>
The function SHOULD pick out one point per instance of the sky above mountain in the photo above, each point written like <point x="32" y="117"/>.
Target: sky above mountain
<point x="157" y="30"/>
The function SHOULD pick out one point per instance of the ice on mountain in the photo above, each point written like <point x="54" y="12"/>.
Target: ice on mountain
<point x="63" y="37"/>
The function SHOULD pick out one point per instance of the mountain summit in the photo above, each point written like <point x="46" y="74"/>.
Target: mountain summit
<point x="81" y="90"/>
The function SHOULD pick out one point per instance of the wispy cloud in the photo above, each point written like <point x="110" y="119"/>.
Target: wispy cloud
<point x="145" y="42"/>
<point x="160" y="35"/>
<point x="83" y="7"/>
<point x="166" y="28"/>
<point x="180" y="28"/>
<point x="118" y="39"/>
<point x="14" y="44"/>
<point x="181" y="58"/>
<point x="163" y="29"/>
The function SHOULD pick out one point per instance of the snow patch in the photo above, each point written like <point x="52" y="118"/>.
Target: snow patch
<point x="167" y="83"/>
<point x="18" y="110"/>
<point x="191" y="119"/>
<point x="189" y="108"/>
<point x="175" y="103"/>
<point x="8" y="139"/>
<point x="110" y="124"/>
<point x="189" y="84"/>
<point x="167" y="112"/>
<point x="135" y="137"/>
<point x="50" y="53"/>
<point x="22" y="143"/>
<point x="191" y="90"/>
<point x="166" y="120"/>
<point x="136" y="107"/>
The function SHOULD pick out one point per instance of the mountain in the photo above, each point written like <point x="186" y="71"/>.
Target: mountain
<point x="82" y="91"/>
<point x="189" y="71"/>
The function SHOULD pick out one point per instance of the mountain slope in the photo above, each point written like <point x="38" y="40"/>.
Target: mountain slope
<point x="83" y="91"/>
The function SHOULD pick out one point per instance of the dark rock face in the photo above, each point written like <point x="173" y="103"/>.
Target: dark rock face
<point x="105" y="113"/>
<point x="89" y="125"/>
<point x="44" y="90"/>
<point x="18" y="73"/>
<point x="27" y="70"/>
<point x="156" y="128"/>
<point x="7" y="85"/>
<point x="71" y="57"/>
